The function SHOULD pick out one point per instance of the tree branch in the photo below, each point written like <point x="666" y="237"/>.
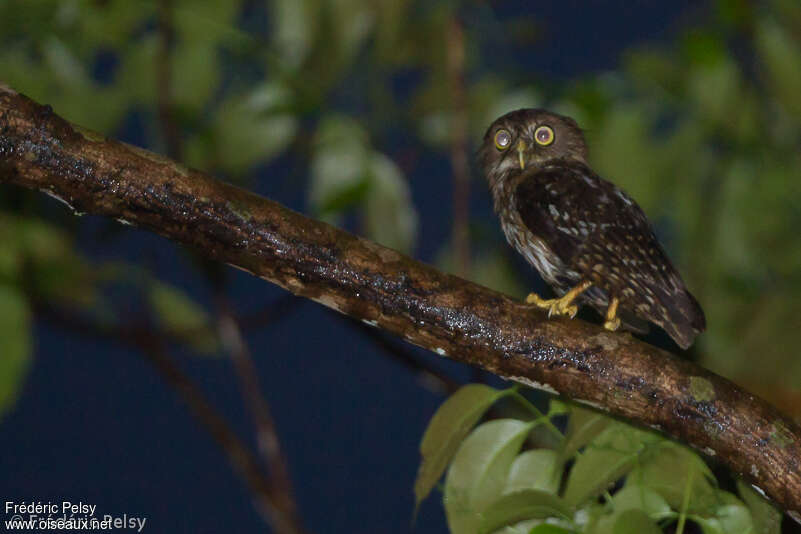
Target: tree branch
<point x="440" y="312"/>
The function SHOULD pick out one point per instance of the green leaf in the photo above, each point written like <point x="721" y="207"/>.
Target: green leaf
<point x="521" y="527"/>
<point x="345" y="197"/>
<point x="137" y="75"/>
<point x="714" y="88"/>
<point x="339" y="165"/>
<point x="537" y="469"/>
<point x="209" y="19"/>
<point x="11" y="258"/>
<point x="390" y="216"/>
<point x="666" y="473"/>
<point x="69" y="280"/>
<point x="195" y="74"/>
<point x="625" y="521"/>
<point x="781" y="58"/>
<point x="54" y="267"/>
<point x="609" y="456"/>
<point x="182" y="317"/>
<point x="622" y="148"/>
<point x="72" y="91"/>
<point x="40" y="241"/>
<point x="64" y="66"/>
<point x="582" y="427"/>
<point x="446" y="431"/>
<point x="10" y="261"/>
<point x="558" y="407"/>
<point x="735" y="519"/>
<point x="293" y="28"/>
<point x="549" y="529"/>
<point x="635" y="522"/>
<point x="479" y="471"/>
<point x="253" y="127"/>
<point x="731" y="517"/>
<point x="345" y="173"/>
<point x="649" y="67"/>
<point x="112" y="24"/>
<point x="600" y="522"/>
<point x="703" y="47"/>
<point x="522" y="505"/>
<point x="495" y="270"/>
<point x="435" y="129"/>
<point x="391" y="43"/>
<point x="351" y="21"/>
<point x="634" y="497"/>
<point x="767" y="519"/>
<point x="15" y="344"/>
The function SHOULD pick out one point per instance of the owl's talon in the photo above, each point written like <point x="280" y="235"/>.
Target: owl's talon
<point x="552" y="305"/>
<point x="535" y="299"/>
<point x="612" y="322"/>
<point x="562" y="305"/>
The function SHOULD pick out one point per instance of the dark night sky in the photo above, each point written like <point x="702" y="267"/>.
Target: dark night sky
<point x="95" y="423"/>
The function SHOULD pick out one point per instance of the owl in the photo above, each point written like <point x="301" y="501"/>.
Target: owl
<point x="584" y="235"/>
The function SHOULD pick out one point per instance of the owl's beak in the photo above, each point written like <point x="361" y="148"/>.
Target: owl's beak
<point x="521" y="149"/>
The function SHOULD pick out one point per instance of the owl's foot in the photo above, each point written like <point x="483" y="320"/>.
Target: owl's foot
<point x="555" y="307"/>
<point x="561" y="306"/>
<point x="612" y="322"/>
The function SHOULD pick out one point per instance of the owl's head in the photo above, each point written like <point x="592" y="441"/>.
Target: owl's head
<point x="529" y="138"/>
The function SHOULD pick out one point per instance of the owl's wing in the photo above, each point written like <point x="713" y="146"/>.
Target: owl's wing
<point x="600" y="232"/>
<point x="546" y="205"/>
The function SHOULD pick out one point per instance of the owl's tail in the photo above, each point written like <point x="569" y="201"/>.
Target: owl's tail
<point x="686" y="318"/>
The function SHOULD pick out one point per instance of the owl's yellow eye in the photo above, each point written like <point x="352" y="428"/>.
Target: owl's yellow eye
<point x="544" y="135"/>
<point x="503" y="139"/>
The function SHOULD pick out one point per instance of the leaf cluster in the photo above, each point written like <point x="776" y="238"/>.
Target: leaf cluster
<point x="601" y="476"/>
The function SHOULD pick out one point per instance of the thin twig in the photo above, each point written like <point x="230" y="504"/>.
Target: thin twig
<point x="277" y="310"/>
<point x="166" y="113"/>
<point x="458" y="143"/>
<point x="269" y="445"/>
<point x="269" y="502"/>
<point x="266" y="497"/>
